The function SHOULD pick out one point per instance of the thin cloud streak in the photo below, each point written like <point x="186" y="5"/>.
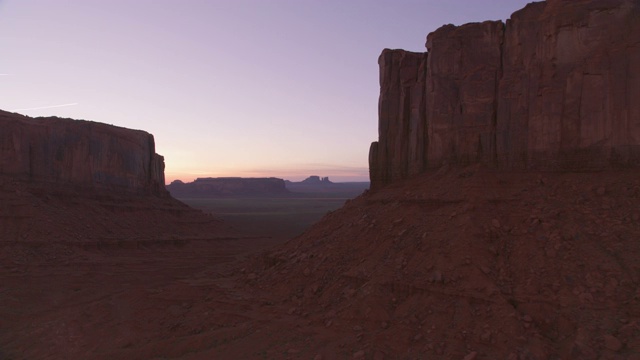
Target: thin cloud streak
<point x="45" y="107"/>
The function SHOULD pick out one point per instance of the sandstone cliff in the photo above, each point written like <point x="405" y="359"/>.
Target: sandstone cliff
<point x="79" y="154"/>
<point x="228" y="186"/>
<point x="554" y="88"/>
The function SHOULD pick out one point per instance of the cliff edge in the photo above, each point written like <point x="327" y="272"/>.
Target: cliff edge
<point x="79" y="154"/>
<point x="553" y="88"/>
<point x="80" y="183"/>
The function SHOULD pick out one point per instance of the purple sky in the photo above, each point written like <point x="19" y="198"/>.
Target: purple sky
<point x="285" y="88"/>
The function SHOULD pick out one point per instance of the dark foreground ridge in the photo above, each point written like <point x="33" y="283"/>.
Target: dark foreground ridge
<point x="464" y="262"/>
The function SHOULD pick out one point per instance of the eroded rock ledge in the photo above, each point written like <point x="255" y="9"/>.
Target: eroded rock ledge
<point x="557" y="87"/>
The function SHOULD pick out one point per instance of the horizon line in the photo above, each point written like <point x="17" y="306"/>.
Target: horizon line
<point x="340" y="178"/>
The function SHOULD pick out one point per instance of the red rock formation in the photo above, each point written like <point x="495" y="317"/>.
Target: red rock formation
<point x="401" y="116"/>
<point x="570" y="83"/>
<point x="463" y="73"/>
<point x="81" y="154"/>
<point x="554" y="89"/>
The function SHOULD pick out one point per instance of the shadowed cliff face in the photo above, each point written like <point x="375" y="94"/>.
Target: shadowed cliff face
<point x="551" y="89"/>
<point x="80" y="154"/>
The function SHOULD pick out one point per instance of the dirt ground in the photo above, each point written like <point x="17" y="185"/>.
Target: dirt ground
<point x="280" y="218"/>
<point x="462" y="263"/>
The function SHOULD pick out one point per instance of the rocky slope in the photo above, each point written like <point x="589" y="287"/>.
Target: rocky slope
<point x="462" y="263"/>
<point x="554" y="88"/>
<point x="503" y="222"/>
<point x="467" y="262"/>
<point x="88" y="184"/>
<point x="35" y="214"/>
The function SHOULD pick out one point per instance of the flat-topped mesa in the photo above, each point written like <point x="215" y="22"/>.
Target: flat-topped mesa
<point x="554" y="88"/>
<point x="228" y="187"/>
<point x="79" y="154"/>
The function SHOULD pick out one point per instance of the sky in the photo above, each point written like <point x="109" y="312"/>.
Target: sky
<point x="251" y="88"/>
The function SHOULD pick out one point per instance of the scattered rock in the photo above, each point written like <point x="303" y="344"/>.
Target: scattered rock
<point x="471" y="356"/>
<point x="486" y="336"/>
<point x="328" y="323"/>
<point x="359" y="354"/>
<point x="612" y="343"/>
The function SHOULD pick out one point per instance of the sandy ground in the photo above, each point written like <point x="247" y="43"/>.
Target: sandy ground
<point x="457" y="264"/>
<point x="150" y="302"/>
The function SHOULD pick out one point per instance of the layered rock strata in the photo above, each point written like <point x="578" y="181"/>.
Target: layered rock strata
<point x="79" y="154"/>
<point x="554" y="88"/>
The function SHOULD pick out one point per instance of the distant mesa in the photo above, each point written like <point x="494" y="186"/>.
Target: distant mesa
<point x="228" y="187"/>
<point x="264" y="187"/>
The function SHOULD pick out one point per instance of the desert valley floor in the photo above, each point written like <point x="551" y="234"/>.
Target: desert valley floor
<point x="462" y="263"/>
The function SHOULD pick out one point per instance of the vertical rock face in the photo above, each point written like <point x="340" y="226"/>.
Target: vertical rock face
<point x="462" y="77"/>
<point x="570" y="85"/>
<point x="79" y="153"/>
<point x="553" y="88"/>
<point x="401" y="110"/>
